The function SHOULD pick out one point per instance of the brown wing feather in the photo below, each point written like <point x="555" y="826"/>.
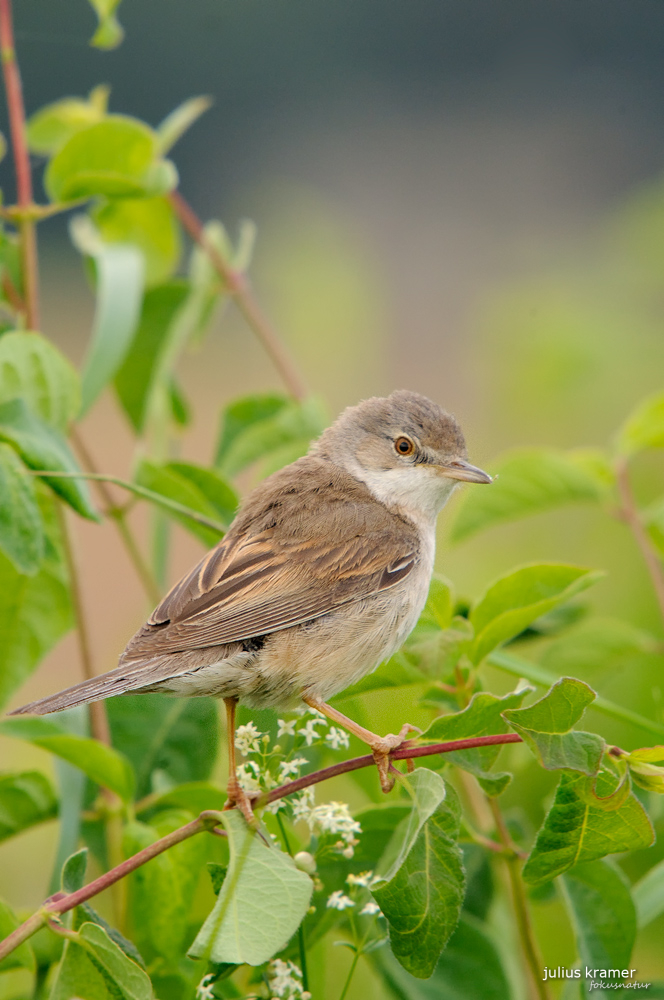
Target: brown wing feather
<point x="303" y="545"/>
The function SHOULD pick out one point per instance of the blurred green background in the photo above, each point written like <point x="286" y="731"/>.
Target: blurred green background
<point x="464" y="198"/>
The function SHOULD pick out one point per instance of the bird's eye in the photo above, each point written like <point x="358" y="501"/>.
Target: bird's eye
<point x="404" y="446"/>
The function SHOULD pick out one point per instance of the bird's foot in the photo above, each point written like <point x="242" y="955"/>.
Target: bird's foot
<point x="239" y="799"/>
<point x="382" y="751"/>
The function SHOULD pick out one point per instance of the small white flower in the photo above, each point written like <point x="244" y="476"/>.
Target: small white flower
<point x="339" y="901"/>
<point x="370" y="909"/>
<point x="246" y="779"/>
<point x="303" y="805"/>
<point x="285" y="980"/>
<point x="246" y="739"/>
<point x="337" y="738"/>
<point x="286" y="728"/>
<point x="309" y="731"/>
<point x="275" y="806"/>
<point x="334" y="817"/>
<point x="315" y="712"/>
<point x="204" y="988"/>
<point x="364" y="879"/>
<point x="348" y="852"/>
<point x="288" y="767"/>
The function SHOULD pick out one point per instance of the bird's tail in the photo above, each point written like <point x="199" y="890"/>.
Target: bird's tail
<point x="126" y="677"/>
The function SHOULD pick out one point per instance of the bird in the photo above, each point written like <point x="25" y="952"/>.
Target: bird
<point x="323" y="573"/>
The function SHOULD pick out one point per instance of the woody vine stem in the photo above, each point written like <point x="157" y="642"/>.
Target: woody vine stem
<point x="61" y="903"/>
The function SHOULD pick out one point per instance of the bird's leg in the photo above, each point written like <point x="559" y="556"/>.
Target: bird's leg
<point x="380" y="746"/>
<point x="236" y="794"/>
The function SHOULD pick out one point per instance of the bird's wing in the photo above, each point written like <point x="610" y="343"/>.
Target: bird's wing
<point x="252" y="585"/>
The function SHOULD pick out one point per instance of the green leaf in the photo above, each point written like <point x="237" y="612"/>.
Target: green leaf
<point x="135" y="379"/>
<point x="35" y="611"/>
<point x="148" y="224"/>
<point x="194" y="796"/>
<point x="576" y="831"/>
<point x="94" y="966"/>
<point x="482" y="717"/>
<point x="32" y="368"/>
<point x="517" y="666"/>
<point x="603" y="915"/>
<point x="261" y="880"/>
<point x="469" y="969"/>
<point x="199" y="489"/>
<point x="162" y="891"/>
<point x="179" y="121"/>
<point x="25" y="800"/>
<point x="515" y="600"/>
<point x="545" y="727"/>
<point x="176" y="736"/>
<point x="21" y="529"/>
<point x="255" y="426"/>
<point x="422" y="892"/>
<point x="23" y="956"/>
<point x="102" y="764"/>
<point x="50" y="127"/>
<point x="116" y="157"/>
<point x="43" y="447"/>
<point x="109" y="32"/>
<point x="644" y="428"/>
<point x="119" y="288"/>
<point x="648" y="895"/>
<point x="531" y="480"/>
<point x="73" y="871"/>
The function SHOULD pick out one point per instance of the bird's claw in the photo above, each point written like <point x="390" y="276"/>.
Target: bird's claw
<point x="382" y="751"/>
<point x="238" y="798"/>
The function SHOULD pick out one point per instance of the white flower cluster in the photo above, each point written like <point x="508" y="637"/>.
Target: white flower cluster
<point x="338" y="900"/>
<point x="334" y="817"/>
<point x="285" y="981"/>
<point x="246" y="739"/>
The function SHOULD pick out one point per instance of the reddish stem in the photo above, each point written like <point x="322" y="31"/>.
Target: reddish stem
<point x="14" y="92"/>
<point x="630" y="514"/>
<point x="238" y="287"/>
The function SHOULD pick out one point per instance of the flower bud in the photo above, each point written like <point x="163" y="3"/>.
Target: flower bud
<point x="305" y="862"/>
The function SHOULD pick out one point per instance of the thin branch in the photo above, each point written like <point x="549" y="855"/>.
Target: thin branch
<point x="630" y="514"/>
<point x="240" y="290"/>
<point x="119" y="518"/>
<point x="407" y="751"/>
<point x="210" y="819"/>
<point x="26" y="227"/>
<point x="524" y="923"/>
<point x="140" y="491"/>
<point x="63" y="902"/>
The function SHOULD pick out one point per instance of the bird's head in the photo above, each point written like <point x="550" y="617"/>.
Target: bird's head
<point x="408" y="450"/>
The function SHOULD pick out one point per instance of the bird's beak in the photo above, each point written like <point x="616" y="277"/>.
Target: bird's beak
<point x="460" y="469"/>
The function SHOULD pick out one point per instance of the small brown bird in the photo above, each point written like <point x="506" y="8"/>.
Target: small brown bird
<point x="321" y="576"/>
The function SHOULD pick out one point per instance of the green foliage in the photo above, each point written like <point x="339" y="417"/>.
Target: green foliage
<point x="101" y="763"/>
<point x="603" y="914"/>
<point x="257" y="426"/>
<point x="34" y="370"/>
<point x="162" y="891"/>
<point x="577" y="828"/>
<point x="175" y="737"/>
<point x="25" y="800"/>
<point x="644" y="428"/>
<point x="43" y="447"/>
<point x="197" y="488"/>
<point x="532" y="480"/>
<point x="35" y="611"/>
<point x="517" y="599"/>
<point x="21" y="530"/>
<point x="109" y="33"/>
<point x="93" y="965"/>
<point x="545" y="727"/>
<point x="50" y="127"/>
<point x="117" y="157"/>
<point x="180" y="121"/>
<point x="148" y="224"/>
<point x="469" y="969"/>
<point x="422" y="891"/>
<point x="260" y="880"/>
<point x="119" y="270"/>
<point x="648" y="895"/>
<point x="23" y="956"/>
